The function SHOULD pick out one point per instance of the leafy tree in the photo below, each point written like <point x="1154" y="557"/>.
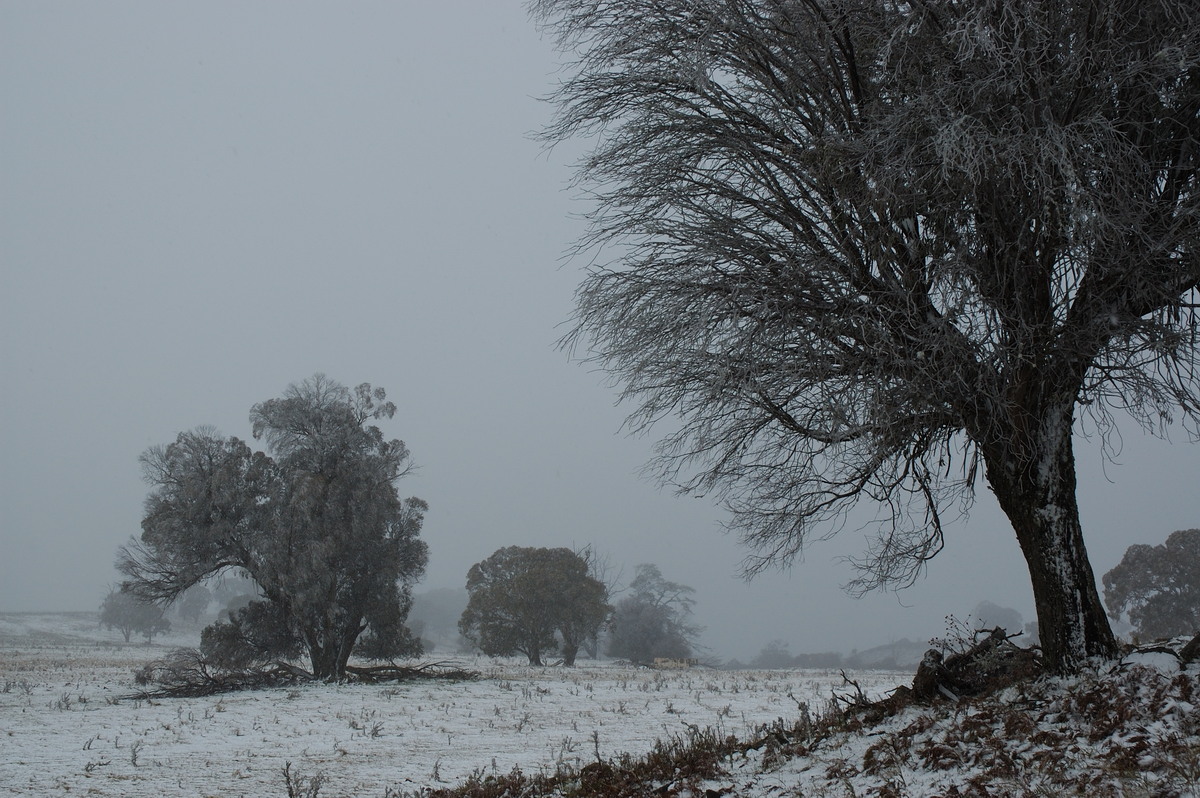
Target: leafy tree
<point x="1159" y="586"/>
<point x="524" y="599"/>
<point x="868" y="249"/>
<point x="194" y="602"/>
<point x="774" y="654"/>
<point x="315" y="522"/>
<point x="653" y="620"/>
<point x="390" y="634"/>
<point x="585" y="608"/>
<point x="603" y="570"/>
<point x="122" y="611"/>
<point x="256" y="632"/>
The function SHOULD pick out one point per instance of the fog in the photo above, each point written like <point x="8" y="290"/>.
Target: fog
<point x="205" y="202"/>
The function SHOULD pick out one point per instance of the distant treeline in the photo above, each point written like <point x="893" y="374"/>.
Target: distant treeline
<point x="902" y="654"/>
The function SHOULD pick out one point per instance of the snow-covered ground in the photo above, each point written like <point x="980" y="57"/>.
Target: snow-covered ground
<point x="64" y="728"/>
<point x="1121" y="730"/>
<point x="1127" y="730"/>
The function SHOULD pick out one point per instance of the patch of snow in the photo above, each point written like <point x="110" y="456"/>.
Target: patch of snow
<point x="1163" y="661"/>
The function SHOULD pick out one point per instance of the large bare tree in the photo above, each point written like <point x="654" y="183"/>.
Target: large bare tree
<point x="880" y="250"/>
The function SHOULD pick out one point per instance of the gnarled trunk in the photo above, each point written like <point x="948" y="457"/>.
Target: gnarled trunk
<point x="1034" y="481"/>
<point x="324" y="659"/>
<point x="329" y="652"/>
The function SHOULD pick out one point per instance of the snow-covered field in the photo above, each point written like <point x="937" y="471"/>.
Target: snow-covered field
<point x="65" y="730"/>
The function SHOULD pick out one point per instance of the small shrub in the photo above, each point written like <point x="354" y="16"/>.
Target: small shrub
<point x="299" y="786"/>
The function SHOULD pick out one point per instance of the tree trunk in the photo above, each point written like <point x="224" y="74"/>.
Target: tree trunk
<point x="533" y="649"/>
<point x="569" y="652"/>
<point x="1033" y="478"/>
<point x="324" y="661"/>
<point x="329" y="653"/>
<point x="346" y="648"/>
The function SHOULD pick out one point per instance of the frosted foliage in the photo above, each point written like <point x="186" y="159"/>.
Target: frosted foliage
<point x="1158" y="586"/>
<point x="316" y="523"/>
<point x="881" y="251"/>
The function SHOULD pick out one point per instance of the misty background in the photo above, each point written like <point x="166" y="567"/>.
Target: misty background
<point x="202" y="203"/>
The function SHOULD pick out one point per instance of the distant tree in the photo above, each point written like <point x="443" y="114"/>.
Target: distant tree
<point x="231" y="584"/>
<point x="989" y="615"/>
<point x="235" y="603"/>
<point x="1158" y="586"/>
<point x="825" y="659"/>
<point x="642" y="632"/>
<point x="654" y="620"/>
<point x="315" y="523"/>
<point x="527" y="599"/>
<point x="121" y="610"/>
<point x="194" y="602"/>
<point x="602" y="569"/>
<point x="438" y="611"/>
<point x="585" y="610"/>
<point x="774" y="654"/>
<point x="880" y="251"/>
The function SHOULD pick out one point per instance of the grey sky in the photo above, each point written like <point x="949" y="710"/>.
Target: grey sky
<point x="203" y="202"/>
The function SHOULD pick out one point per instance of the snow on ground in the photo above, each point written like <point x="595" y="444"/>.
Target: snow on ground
<point x="1130" y="729"/>
<point x="64" y="728"/>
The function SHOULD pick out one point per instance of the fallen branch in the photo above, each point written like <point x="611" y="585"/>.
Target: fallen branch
<point x="858" y="700"/>
<point x="185" y="674"/>
<point x="403" y="673"/>
<point x="989" y="665"/>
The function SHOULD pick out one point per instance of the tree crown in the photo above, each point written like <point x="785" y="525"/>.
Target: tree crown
<point x="316" y="523"/>
<point x="1158" y="586"/>
<point x="862" y="247"/>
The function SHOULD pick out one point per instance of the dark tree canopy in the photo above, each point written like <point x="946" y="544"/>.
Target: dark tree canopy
<point x="875" y="250"/>
<point x="315" y="522"/>
<point x="528" y="599"/>
<point x="654" y="620"/>
<point x="122" y="611"/>
<point x="254" y="634"/>
<point x="1158" y="586"/>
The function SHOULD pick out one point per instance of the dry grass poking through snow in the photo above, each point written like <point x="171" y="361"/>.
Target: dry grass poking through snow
<point x="1131" y="731"/>
<point x="66" y="730"/>
<point x="1122" y="732"/>
<point x="520" y="732"/>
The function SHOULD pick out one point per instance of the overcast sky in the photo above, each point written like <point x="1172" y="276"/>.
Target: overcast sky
<point x="201" y="203"/>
